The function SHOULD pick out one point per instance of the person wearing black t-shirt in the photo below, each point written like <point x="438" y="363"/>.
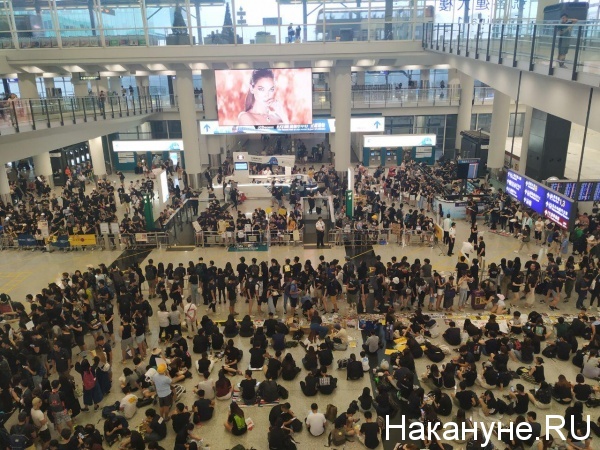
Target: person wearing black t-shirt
<point x="309" y="385"/>
<point x="248" y="388"/>
<point x="203" y="407"/>
<point x="156" y="427"/>
<point x="257" y="356"/>
<point x="180" y="418"/>
<point x="464" y="398"/>
<point x="270" y="325"/>
<point x="582" y="391"/>
<point x="354" y="369"/>
<point x="369" y="432"/>
<point x="272" y="368"/>
<point x="452" y="335"/>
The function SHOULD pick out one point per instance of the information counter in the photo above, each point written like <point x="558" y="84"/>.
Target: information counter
<point x="260" y="185"/>
<point x="457" y="208"/>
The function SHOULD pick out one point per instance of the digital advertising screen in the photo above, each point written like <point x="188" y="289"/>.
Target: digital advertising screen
<point x="467" y="170"/>
<point x="534" y="196"/>
<point x="596" y="197"/>
<point x="240" y="165"/>
<point x="264" y="97"/>
<point x="515" y="185"/>
<point x="558" y="209"/>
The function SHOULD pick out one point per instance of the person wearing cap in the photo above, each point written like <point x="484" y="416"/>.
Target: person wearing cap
<point x="162" y="383"/>
<point x="25" y="429"/>
<point x="40" y="420"/>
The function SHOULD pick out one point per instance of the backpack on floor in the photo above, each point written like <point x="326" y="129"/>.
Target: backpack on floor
<point x="331" y="413"/>
<point x="342" y="363"/>
<point x="337" y="437"/>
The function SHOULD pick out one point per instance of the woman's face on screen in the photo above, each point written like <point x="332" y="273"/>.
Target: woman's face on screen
<point x="264" y="90"/>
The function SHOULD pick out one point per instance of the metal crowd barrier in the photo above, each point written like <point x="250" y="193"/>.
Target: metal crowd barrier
<point x="144" y="240"/>
<point x="230" y="238"/>
<point x="286" y="238"/>
<point x="356" y="238"/>
<point x="413" y="237"/>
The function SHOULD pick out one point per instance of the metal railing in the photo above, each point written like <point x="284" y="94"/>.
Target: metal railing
<point x="355" y="238"/>
<point x="155" y="239"/>
<point x="22" y="114"/>
<point x="542" y="47"/>
<point x="391" y="97"/>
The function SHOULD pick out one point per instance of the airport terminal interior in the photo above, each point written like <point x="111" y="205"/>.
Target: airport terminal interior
<point x="281" y="224"/>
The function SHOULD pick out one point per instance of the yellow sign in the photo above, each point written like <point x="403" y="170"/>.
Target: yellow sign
<point x="83" y="239"/>
<point x="439" y="232"/>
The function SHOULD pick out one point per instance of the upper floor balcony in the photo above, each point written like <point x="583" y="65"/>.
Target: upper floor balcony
<point x="569" y="51"/>
<point x="26" y="24"/>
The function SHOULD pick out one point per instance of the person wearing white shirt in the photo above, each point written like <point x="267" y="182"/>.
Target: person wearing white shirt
<point x="467" y="248"/>
<point x="189" y="311"/>
<point x="320" y="227"/>
<point x="315" y="421"/>
<point x="451" y="238"/>
<point x="446" y="224"/>
<point x="128" y="406"/>
<point x="41" y="422"/>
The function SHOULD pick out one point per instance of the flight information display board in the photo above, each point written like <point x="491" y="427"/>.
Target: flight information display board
<point x="542" y="199"/>
<point x="515" y="183"/>
<point x="589" y="191"/>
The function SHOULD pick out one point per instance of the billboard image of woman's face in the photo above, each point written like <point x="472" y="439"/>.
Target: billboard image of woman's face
<point x="265" y="97"/>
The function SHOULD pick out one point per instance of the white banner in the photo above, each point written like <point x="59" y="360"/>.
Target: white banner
<point x="399" y="140"/>
<point x="276" y="160"/>
<point x="150" y="145"/>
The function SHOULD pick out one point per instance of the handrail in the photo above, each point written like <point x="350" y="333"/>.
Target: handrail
<point x="27" y="114"/>
<point x="541" y="47"/>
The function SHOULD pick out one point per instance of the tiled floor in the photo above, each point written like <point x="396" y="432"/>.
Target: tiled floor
<point x="27" y="272"/>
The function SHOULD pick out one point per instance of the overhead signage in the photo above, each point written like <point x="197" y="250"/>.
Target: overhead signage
<point x="87" y="77"/>
<point x="515" y="185"/>
<point x="534" y="196"/>
<point x="558" y="209"/>
<point x="540" y="199"/>
<point x="399" y="140"/>
<point x="589" y="190"/>
<point x="150" y="145"/>
<point x="319" y="125"/>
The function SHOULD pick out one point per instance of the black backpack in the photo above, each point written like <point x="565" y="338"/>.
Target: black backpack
<point x="18" y="441"/>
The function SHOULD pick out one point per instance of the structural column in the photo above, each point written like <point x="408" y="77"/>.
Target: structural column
<point x="211" y="143"/>
<point x="143" y="85"/>
<point x="463" y="123"/>
<point x="80" y="87"/>
<point x="525" y="140"/>
<point x="498" y="131"/>
<point x="97" y="155"/>
<point x="43" y="166"/>
<point x="341" y="89"/>
<point x="4" y="186"/>
<point x="189" y="125"/>
<point x="27" y="86"/>
<point x="49" y="87"/>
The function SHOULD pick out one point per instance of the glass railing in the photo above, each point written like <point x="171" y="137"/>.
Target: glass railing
<point x="390" y="97"/>
<point x="540" y="47"/>
<point x="21" y="114"/>
<point x="211" y="35"/>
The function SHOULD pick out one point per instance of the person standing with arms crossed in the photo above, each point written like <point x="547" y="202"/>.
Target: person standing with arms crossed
<point x="320" y="227"/>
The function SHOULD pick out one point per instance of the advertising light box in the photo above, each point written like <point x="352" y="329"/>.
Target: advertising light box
<point x="515" y="184"/>
<point x="264" y="97"/>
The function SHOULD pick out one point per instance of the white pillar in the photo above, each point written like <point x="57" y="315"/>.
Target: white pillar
<point x="463" y="121"/>
<point x="143" y="85"/>
<point x="425" y="79"/>
<point x="341" y="86"/>
<point x="212" y="144"/>
<point x="80" y="87"/>
<point x="4" y="186"/>
<point x="361" y="77"/>
<point x="498" y="131"/>
<point x="43" y="166"/>
<point x="189" y="125"/>
<point x="27" y="86"/>
<point x="49" y="86"/>
<point x="97" y="155"/>
<point x="525" y="140"/>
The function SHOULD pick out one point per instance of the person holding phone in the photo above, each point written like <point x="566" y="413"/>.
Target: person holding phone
<point x="262" y="106"/>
